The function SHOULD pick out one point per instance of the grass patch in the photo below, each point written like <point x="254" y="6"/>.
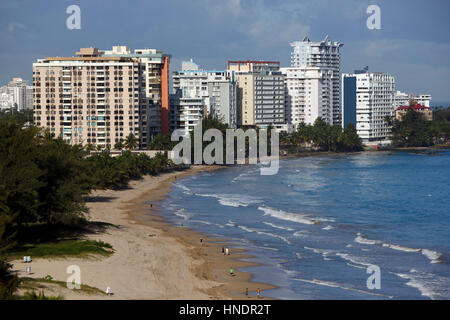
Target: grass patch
<point x="31" y="285"/>
<point x="63" y="248"/>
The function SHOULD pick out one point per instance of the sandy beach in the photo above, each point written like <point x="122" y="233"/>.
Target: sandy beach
<point x="152" y="259"/>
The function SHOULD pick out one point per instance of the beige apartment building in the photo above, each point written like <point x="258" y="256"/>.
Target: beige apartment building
<point x="100" y="97"/>
<point x="260" y="93"/>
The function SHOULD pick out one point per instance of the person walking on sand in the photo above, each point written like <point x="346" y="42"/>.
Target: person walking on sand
<point x="258" y="292"/>
<point x="231" y="271"/>
<point x="246" y="292"/>
<point x="227" y="252"/>
<point x="223" y="250"/>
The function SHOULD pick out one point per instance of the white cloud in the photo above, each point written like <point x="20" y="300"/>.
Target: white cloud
<point x="15" y="25"/>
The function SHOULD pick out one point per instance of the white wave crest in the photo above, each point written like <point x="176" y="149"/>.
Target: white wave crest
<point x="363" y="240"/>
<point x="278" y="226"/>
<point x="432" y="255"/>
<point x="338" y="285"/>
<point x="264" y="233"/>
<point x="287" y="216"/>
<point x="232" y="200"/>
<point x="180" y="213"/>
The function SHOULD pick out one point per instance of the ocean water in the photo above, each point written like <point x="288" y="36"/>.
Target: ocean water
<point x="317" y="225"/>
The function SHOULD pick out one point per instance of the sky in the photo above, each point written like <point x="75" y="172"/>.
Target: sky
<point x="413" y="43"/>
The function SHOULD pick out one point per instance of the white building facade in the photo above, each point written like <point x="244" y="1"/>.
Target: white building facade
<point x="308" y="91"/>
<point x="197" y="93"/>
<point x="401" y="99"/>
<point x="368" y="97"/>
<point x="326" y="56"/>
<point x="18" y="95"/>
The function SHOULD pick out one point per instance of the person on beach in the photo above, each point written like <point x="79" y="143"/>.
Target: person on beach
<point x="231" y="271"/>
<point x="227" y="252"/>
<point x="246" y="292"/>
<point x="223" y="250"/>
<point x="258" y="292"/>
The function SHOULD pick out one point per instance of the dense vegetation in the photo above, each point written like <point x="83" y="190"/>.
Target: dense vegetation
<point x="44" y="182"/>
<point x="413" y="130"/>
<point x="322" y="136"/>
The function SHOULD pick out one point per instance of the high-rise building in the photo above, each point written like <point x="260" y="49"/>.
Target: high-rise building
<point x="6" y="99"/>
<point x="402" y="99"/>
<point x="326" y="56"/>
<point x="100" y="97"/>
<point x="198" y="92"/>
<point x="307" y="95"/>
<point x="260" y="93"/>
<point x="18" y="95"/>
<point x="368" y="97"/>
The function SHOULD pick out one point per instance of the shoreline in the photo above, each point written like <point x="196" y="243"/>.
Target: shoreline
<point x="153" y="258"/>
<point x="215" y="265"/>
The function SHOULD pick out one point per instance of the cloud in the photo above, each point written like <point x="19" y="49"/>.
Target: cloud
<point x="231" y="8"/>
<point x="411" y="51"/>
<point x="15" y="26"/>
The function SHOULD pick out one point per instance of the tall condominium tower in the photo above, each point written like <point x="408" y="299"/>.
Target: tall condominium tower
<point x="100" y="97"/>
<point x="307" y="91"/>
<point x="17" y="95"/>
<point x="368" y="97"/>
<point x="326" y="56"/>
<point x="260" y="93"/>
<point x="198" y="92"/>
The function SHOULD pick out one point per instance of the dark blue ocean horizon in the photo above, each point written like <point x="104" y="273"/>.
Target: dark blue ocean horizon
<point x="317" y="225"/>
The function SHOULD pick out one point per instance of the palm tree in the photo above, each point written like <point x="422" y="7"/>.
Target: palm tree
<point x="119" y="146"/>
<point x="131" y="142"/>
<point x="90" y="147"/>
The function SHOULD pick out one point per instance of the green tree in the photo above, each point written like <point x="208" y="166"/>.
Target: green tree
<point x="119" y="145"/>
<point x="161" y="142"/>
<point x="131" y="142"/>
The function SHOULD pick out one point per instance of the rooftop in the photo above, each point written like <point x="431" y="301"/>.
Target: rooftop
<point x="416" y="107"/>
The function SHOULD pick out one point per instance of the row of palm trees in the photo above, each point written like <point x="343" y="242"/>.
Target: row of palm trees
<point x="130" y="143"/>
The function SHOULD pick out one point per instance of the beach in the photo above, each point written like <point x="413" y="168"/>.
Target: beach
<point x="152" y="259"/>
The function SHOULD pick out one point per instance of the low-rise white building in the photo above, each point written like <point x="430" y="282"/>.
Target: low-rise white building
<point x="402" y="99"/>
<point x="367" y="98"/>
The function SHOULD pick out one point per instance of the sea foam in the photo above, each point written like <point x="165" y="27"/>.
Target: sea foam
<point x="287" y="216"/>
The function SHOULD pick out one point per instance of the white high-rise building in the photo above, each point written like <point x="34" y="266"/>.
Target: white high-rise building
<point x="18" y="95"/>
<point x="6" y="99"/>
<point x="308" y="92"/>
<point x="401" y="99"/>
<point x="326" y="56"/>
<point x="368" y="97"/>
<point x="197" y="93"/>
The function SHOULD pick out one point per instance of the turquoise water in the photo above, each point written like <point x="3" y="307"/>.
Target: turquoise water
<point x="317" y="225"/>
